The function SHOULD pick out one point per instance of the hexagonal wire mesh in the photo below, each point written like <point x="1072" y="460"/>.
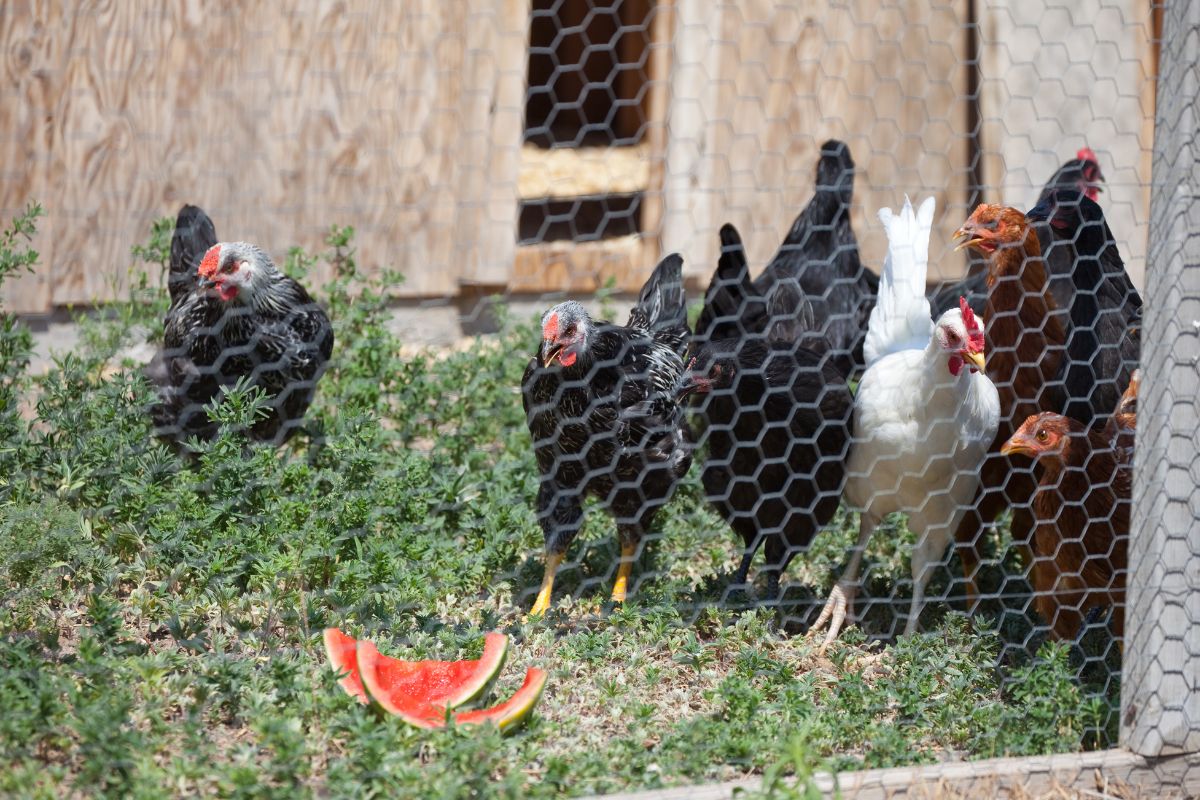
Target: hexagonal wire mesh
<point x="910" y="415"/>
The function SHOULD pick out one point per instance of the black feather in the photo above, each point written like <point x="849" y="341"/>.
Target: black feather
<point x="194" y="235"/>
<point x="779" y="420"/>
<point x="609" y="424"/>
<point x="1104" y="336"/>
<point x="208" y="345"/>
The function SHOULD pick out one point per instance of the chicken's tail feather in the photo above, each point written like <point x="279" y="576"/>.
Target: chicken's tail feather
<point x="194" y="234"/>
<point x="661" y="307"/>
<point x="901" y="318"/>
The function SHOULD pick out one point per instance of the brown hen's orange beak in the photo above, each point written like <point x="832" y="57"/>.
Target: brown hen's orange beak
<point x="1019" y="444"/>
<point x="971" y="233"/>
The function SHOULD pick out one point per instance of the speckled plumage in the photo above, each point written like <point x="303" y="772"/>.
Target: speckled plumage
<point x="276" y="335"/>
<point x="608" y="425"/>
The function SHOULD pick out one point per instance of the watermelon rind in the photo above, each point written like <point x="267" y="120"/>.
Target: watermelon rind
<point x="495" y="652"/>
<point x="512" y="713"/>
<point x="342" y="651"/>
<point x="418" y="711"/>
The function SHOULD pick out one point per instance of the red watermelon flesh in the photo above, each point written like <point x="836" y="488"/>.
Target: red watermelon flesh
<point x="341" y="651"/>
<point x="424" y="689"/>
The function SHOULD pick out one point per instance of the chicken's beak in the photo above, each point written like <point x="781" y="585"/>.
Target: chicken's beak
<point x="205" y="283"/>
<point x="550" y="351"/>
<point x="970" y="240"/>
<point x="1017" y="445"/>
<point x="976" y="359"/>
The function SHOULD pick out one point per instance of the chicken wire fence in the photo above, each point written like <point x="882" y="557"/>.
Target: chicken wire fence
<point x="596" y="408"/>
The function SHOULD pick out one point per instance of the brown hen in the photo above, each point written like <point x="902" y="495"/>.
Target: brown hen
<point x="1081" y="509"/>
<point x="1026" y="341"/>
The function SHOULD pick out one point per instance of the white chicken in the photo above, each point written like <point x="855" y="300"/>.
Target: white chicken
<point x="925" y="415"/>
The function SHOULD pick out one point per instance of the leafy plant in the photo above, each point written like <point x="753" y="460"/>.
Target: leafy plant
<point x="160" y="617"/>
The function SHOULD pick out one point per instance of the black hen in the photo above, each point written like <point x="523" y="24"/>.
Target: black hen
<point x="234" y="315"/>
<point x="600" y="402"/>
<point x="818" y="260"/>
<point x="779" y="418"/>
<point x="1080" y="175"/>
<point x="1104" y="336"/>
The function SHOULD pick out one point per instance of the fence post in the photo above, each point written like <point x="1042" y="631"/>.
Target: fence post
<point x="1160" y="692"/>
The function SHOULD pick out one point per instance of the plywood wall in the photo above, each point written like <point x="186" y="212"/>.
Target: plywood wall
<point x="402" y="119"/>
<point x="1057" y="78"/>
<point x="758" y="85"/>
<point x="753" y="103"/>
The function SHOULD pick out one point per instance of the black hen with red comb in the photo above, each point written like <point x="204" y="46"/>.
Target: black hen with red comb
<point x="234" y="316"/>
<point x="600" y="403"/>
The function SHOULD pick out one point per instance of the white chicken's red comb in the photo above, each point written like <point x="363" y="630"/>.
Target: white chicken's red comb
<point x="974" y="329"/>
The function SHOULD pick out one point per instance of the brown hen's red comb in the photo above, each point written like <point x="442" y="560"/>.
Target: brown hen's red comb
<point x="1087" y="154"/>
<point x="974" y="329"/>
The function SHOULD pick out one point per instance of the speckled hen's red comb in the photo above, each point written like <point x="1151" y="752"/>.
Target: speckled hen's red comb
<point x="1087" y="154"/>
<point x="208" y="267"/>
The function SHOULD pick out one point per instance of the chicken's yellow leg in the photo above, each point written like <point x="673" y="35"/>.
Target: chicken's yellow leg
<point x="553" y="560"/>
<point x="628" y="551"/>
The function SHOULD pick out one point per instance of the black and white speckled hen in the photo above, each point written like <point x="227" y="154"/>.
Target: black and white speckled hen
<point x="600" y="402"/>
<point x="234" y="315"/>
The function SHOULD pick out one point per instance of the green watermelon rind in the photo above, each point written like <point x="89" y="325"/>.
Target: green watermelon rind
<point x="512" y="713"/>
<point x="491" y="661"/>
<point x="495" y="651"/>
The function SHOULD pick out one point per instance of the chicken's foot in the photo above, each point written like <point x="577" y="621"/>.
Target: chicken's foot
<point x="628" y="553"/>
<point x="553" y="561"/>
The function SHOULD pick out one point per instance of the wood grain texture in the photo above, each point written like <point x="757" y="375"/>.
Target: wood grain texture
<point x="1054" y="79"/>
<point x="405" y="120"/>
<point x="400" y="119"/>
<point x="759" y="85"/>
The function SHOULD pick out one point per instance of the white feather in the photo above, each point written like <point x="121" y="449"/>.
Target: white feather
<point x="901" y="319"/>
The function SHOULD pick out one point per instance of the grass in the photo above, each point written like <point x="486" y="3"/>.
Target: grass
<point x="160" y="622"/>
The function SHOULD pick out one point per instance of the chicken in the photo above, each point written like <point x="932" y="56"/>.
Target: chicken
<point x="1104" y="319"/>
<point x="602" y="412"/>
<point x="778" y="419"/>
<point x="234" y="316"/>
<point x="818" y="261"/>
<point x="1081" y="510"/>
<point x="925" y="415"/>
<point x="1026" y="345"/>
<point x="1029" y="363"/>
<point x="1081" y="176"/>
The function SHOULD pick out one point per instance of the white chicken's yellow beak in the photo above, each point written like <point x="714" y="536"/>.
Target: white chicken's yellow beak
<point x="976" y="359"/>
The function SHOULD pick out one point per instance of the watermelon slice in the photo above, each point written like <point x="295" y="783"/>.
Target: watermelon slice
<point x="510" y="714"/>
<point x="446" y="683"/>
<point x="423" y="688"/>
<point x="341" y="651"/>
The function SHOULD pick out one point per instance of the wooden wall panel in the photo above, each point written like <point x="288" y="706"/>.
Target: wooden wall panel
<point x="763" y="83"/>
<point x="1056" y="78"/>
<point x="278" y="119"/>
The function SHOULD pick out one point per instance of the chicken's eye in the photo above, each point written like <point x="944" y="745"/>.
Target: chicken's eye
<point x="1041" y="436"/>
<point x="229" y="266"/>
<point x="951" y="337"/>
<point x="569" y="330"/>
